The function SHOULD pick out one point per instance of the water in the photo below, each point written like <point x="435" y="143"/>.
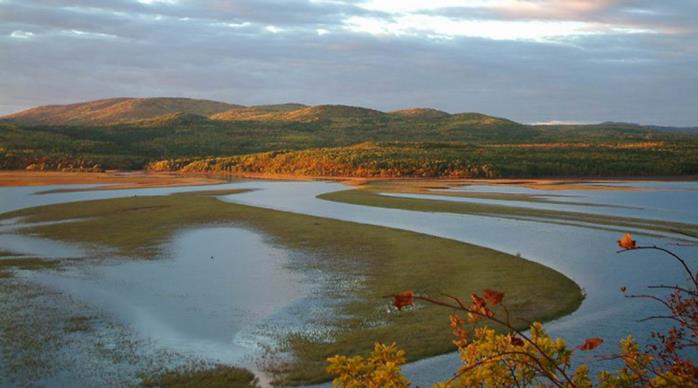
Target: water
<point x="206" y="297"/>
<point x="657" y="201"/>
<point x="14" y="198"/>
<point x="39" y="247"/>
<point x="586" y="255"/>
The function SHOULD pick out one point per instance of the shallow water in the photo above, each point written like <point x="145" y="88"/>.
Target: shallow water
<point x="39" y="247"/>
<point x="669" y="185"/>
<point x="586" y="255"/>
<point x="205" y="297"/>
<point x="659" y="201"/>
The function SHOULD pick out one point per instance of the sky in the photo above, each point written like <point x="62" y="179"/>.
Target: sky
<point x="526" y="60"/>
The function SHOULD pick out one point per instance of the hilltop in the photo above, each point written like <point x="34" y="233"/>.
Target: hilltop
<point x="134" y="110"/>
<point x="422" y="113"/>
<point x="115" y="111"/>
<point x="128" y="133"/>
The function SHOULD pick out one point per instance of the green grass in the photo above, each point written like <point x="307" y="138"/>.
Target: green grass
<point x="124" y="225"/>
<point x="27" y="263"/>
<point x="381" y="261"/>
<point x="25" y="339"/>
<point x="371" y="197"/>
<point x="218" y="377"/>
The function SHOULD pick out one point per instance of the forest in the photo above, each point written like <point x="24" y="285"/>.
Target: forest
<point x="334" y="140"/>
<point x="454" y="160"/>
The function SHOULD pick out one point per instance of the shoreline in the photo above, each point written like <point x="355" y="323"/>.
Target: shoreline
<point x="149" y="179"/>
<point x="394" y="249"/>
<point x="112" y="179"/>
<point x="406" y="182"/>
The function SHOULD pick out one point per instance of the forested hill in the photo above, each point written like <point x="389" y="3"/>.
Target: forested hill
<point x="132" y="133"/>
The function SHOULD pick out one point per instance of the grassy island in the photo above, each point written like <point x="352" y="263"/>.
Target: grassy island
<point x="380" y="260"/>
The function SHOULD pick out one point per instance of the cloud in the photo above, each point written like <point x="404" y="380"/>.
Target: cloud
<point x="550" y="9"/>
<point x="606" y="60"/>
<point x="435" y="26"/>
<point x="21" y="34"/>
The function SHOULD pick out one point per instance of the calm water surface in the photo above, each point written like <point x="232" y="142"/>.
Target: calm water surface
<point x="586" y="255"/>
<point x="214" y="287"/>
<point x="658" y="200"/>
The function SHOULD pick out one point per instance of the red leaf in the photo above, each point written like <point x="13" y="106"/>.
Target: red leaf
<point x="622" y="289"/>
<point x="455" y="321"/>
<point x="627" y="242"/>
<point x="516" y="341"/>
<point x="494" y="297"/>
<point x="590" y="344"/>
<point x="479" y="306"/>
<point x="403" y="299"/>
<point x="478" y="303"/>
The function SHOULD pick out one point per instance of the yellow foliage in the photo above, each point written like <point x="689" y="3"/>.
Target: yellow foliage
<point x="490" y="359"/>
<point x="380" y="369"/>
<point x="517" y="359"/>
<point x="498" y="360"/>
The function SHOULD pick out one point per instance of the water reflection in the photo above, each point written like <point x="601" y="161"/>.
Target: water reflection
<point x="206" y="297"/>
<point x="586" y="255"/>
<point x="39" y="247"/>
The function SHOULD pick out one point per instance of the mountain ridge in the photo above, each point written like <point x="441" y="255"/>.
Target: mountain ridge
<point x="129" y="134"/>
<point x="121" y="110"/>
<point x="115" y="111"/>
<point x="130" y="110"/>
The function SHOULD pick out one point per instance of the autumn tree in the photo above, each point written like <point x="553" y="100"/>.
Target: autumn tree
<point x="509" y="357"/>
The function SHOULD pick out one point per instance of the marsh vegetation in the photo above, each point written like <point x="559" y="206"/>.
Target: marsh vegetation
<point x="352" y="266"/>
<point x="375" y="259"/>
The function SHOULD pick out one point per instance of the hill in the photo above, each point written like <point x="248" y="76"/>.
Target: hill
<point x="421" y="113"/>
<point x="115" y="110"/>
<point x="131" y="133"/>
<point x="469" y="120"/>
<point x="296" y="113"/>
<point x="333" y="113"/>
<point x="172" y="119"/>
<point x="287" y="107"/>
<point x="246" y="114"/>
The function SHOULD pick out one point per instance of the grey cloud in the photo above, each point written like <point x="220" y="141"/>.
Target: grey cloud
<point x="276" y="12"/>
<point x="641" y="77"/>
<point x="669" y="16"/>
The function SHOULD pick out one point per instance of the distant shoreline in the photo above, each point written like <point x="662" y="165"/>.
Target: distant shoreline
<point x="148" y="179"/>
<point x="114" y="179"/>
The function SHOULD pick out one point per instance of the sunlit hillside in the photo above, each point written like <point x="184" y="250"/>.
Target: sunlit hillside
<point x="129" y="134"/>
